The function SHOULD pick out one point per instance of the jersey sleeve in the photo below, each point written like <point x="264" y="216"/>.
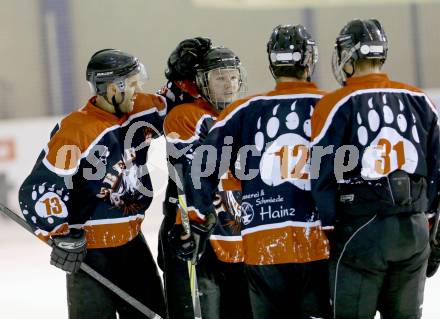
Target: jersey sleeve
<point x="212" y="160"/>
<point x="152" y="108"/>
<point x="184" y="134"/>
<point x="45" y="196"/>
<point x="327" y="136"/>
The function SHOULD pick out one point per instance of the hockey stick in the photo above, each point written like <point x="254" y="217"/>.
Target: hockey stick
<point x="90" y="271"/>
<point x="187" y="228"/>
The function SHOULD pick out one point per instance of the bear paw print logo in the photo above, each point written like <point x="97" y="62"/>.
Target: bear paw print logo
<point x="49" y="203"/>
<point x="393" y="145"/>
<point x="285" y="141"/>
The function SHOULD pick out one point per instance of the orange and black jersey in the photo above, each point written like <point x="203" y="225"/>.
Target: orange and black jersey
<point x="268" y="136"/>
<point x="391" y="126"/>
<point x="92" y="174"/>
<point x="185" y="128"/>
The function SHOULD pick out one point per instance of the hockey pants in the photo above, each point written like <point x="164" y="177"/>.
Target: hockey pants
<point x="379" y="263"/>
<point x="293" y="290"/>
<point x="132" y="268"/>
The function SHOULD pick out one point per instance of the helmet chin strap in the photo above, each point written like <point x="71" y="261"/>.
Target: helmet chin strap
<point x="118" y="111"/>
<point x="349" y="75"/>
<point x="349" y="59"/>
<point x="309" y="74"/>
<point x="271" y="71"/>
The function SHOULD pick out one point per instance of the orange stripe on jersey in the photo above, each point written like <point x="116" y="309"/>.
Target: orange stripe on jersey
<point x="66" y="147"/>
<point x="234" y="105"/>
<point x="181" y="122"/>
<point x="285" y="245"/>
<point x="60" y="230"/>
<point x="371" y="81"/>
<point x="103" y="235"/>
<point x="145" y="102"/>
<point x="192" y="216"/>
<point x="228" y="251"/>
<point x="229" y="183"/>
<point x="63" y="155"/>
<point x="282" y="88"/>
<point x="288" y="88"/>
<point x="112" y="235"/>
<point x="323" y="109"/>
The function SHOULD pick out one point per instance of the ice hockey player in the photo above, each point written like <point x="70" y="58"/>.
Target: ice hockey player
<point x="90" y="187"/>
<point x="285" y="250"/>
<point x="179" y="299"/>
<point x="214" y="77"/>
<point x="377" y="182"/>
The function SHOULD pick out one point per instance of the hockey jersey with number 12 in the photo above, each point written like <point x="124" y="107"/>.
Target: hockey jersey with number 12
<point x="270" y="135"/>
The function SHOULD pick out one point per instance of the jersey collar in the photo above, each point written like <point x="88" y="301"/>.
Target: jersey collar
<point x="373" y="77"/>
<point x="281" y="86"/>
<point x="94" y="110"/>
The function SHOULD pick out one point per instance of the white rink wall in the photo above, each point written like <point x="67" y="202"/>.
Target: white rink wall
<point x="29" y="286"/>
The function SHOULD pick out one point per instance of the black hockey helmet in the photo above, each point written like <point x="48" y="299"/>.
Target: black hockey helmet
<point x="223" y="60"/>
<point x="358" y="40"/>
<point x="111" y="66"/>
<point x="183" y="61"/>
<point x="291" y="47"/>
<point x="219" y="57"/>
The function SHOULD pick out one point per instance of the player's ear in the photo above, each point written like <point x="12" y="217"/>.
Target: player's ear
<point x="348" y="68"/>
<point x="111" y="91"/>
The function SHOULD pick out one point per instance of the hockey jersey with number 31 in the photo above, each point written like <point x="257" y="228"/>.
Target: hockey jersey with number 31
<point x="391" y="125"/>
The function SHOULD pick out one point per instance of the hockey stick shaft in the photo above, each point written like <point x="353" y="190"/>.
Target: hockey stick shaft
<point x="187" y="228"/>
<point x="90" y="271"/>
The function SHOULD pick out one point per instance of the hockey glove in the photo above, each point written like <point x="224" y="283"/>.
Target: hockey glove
<point x="191" y="247"/>
<point x="183" y="245"/>
<point x="174" y="95"/>
<point x="434" y="257"/>
<point x="68" y="251"/>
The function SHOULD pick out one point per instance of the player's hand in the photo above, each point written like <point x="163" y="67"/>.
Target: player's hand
<point x="174" y="95"/>
<point x="182" y="243"/>
<point x="190" y="247"/>
<point x="68" y="251"/>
